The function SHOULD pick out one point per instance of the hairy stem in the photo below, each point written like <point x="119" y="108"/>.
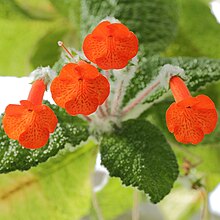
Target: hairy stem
<point x="87" y="118"/>
<point x="117" y="99"/>
<point x="106" y="104"/>
<point x="140" y="98"/>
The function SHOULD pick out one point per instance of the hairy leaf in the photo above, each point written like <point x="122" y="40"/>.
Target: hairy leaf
<point x="199" y="72"/>
<point x="14" y="157"/>
<point x="139" y="154"/>
<point x="154" y="22"/>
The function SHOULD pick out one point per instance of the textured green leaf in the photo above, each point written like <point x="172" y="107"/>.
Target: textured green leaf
<point x="75" y="129"/>
<point x="154" y="22"/>
<point x="139" y="154"/>
<point x="59" y="189"/>
<point x="198" y="31"/>
<point x="14" y="157"/>
<point x="199" y="72"/>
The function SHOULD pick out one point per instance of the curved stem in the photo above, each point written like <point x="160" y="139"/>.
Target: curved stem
<point x="87" y="118"/>
<point x="139" y="98"/>
<point x="101" y="111"/>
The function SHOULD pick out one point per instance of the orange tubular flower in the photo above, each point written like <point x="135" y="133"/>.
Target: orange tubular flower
<point x="190" y="118"/>
<point x="110" y="46"/>
<point x="80" y="88"/>
<point x="30" y="122"/>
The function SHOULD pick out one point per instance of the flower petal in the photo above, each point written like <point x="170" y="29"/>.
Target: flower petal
<point x="193" y="135"/>
<point x="100" y="87"/>
<point x="127" y="47"/>
<point x="118" y="30"/>
<point x="94" y="47"/>
<point x="14" y="110"/>
<point x="101" y="29"/>
<point x="172" y="116"/>
<point x="191" y="118"/>
<point x="69" y="72"/>
<point x="83" y="104"/>
<point x="110" y="46"/>
<point x="203" y="110"/>
<point x="63" y="90"/>
<point x="16" y="120"/>
<point x="87" y="71"/>
<point x="46" y="118"/>
<point x="111" y="61"/>
<point x="206" y="113"/>
<point x="34" y="137"/>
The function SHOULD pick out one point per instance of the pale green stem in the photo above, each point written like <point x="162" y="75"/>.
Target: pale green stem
<point x="96" y="206"/>
<point x="135" y="210"/>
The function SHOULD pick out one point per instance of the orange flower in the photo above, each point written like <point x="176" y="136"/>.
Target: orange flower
<point x="80" y="88"/>
<point x="110" y="46"/>
<point x="190" y="118"/>
<point x="30" y="122"/>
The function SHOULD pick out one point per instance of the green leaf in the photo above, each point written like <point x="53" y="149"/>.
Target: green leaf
<point x="59" y="189"/>
<point x="11" y="10"/>
<point x="17" y="44"/>
<point x="69" y="9"/>
<point x="197" y="32"/>
<point x="199" y="72"/>
<point x="139" y="154"/>
<point x="44" y="57"/>
<point x="75" y="129"/>
<point x="114" y="191"/>
<point x="154" y="22"/>
<point x="14" y="157"/>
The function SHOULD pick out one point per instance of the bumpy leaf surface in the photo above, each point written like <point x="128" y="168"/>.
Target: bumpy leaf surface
<point x="199" y="72"/>
<point x="14" y="157"/>
<point x="139" y="154"/>
<point x="154" y="22"/>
